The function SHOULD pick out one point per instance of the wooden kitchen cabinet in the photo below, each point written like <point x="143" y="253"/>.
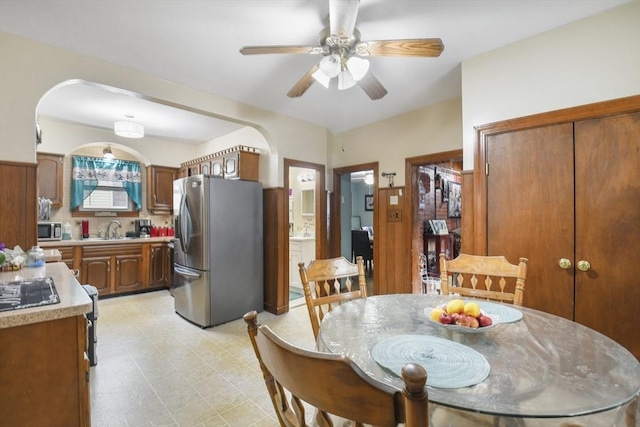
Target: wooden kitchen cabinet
<point x="19" y="203"/>
<point x="159" y="265"/>
<point x="562" y="189"/>
<point x="160" y="189"/>
<point x="242" y="165"/>
<point x="113" y="268"/>
<point x="50" y="174"/>
<point x="234" y="163"/>
<point x="48" y="382"/>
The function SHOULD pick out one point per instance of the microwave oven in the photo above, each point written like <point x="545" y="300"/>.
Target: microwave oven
<point x="49" y="231"/>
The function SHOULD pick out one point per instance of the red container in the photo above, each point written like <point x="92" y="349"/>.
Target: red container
<point x="85" y="229"/>
<point x="154" y="231"/>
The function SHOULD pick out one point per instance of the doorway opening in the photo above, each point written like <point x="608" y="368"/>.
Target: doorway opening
<point x="306" y="221"/>
<point x="434" y="193"/>
<point x="354" y="209"/>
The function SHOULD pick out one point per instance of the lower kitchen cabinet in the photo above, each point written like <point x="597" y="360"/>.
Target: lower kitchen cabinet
<point x="113" y="268"/>
<point x="159" y="265"/>
<point x="44" y="374"/>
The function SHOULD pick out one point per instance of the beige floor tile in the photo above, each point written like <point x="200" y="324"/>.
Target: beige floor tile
<point x="156" y="369"/>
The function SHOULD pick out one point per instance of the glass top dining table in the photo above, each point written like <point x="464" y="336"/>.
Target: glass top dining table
<point x="541" y="366"/>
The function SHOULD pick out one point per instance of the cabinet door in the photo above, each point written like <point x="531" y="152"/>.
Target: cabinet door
<point x="158" y="270"/>
<point x="607" y="295"/>
<point x="128" y="277"/>
<point x="530" y="210"/>
<point x="217" y="166"/>
<point x="50" y="173"/>
<point x="96" y="271"/>
<point x="205" y="168"/>
<point x="160" y="189"/>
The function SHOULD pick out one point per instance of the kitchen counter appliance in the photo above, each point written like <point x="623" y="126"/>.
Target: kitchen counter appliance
<point x="218" y="256"/>
<point x="142" y="227"/>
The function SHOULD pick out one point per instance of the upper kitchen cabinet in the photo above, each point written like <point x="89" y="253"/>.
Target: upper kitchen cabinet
<point x="235" y="163"/>
<point x="50" y="169"/>
<point x="160" y="189"/>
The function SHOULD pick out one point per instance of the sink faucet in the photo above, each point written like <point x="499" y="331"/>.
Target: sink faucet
<point x="115" y="232"/>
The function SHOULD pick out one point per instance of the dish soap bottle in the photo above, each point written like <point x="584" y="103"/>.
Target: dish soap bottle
<point x="66" y="231"/>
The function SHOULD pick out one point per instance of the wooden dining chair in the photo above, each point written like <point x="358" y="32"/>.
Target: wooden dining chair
<point x="488" y="277"/>
<point x="333" y="385"/>
<point x="332" y="285"/>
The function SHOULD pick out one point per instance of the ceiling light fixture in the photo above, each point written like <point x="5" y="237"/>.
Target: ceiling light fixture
<point x="128" y="128"/>
<point x="368" y="179"/>
<point x="349" y="71"/>
<point x="107" y="153"/>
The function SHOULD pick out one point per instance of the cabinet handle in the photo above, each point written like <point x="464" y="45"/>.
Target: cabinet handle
<point x="565" y="263"/>
<point x="583" y="265"/>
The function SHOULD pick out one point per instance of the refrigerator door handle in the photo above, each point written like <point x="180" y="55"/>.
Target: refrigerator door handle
<point x="184" y="217"/>
<point x="184" y="272"/>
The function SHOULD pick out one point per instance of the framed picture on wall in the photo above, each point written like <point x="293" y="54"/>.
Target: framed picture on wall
<point x="454" y="209"/>
<point x="368" y="202"/>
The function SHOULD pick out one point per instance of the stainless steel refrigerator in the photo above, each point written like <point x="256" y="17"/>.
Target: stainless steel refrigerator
<point x="218" y="260"/>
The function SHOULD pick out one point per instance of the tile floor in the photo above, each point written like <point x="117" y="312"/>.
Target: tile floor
<point x="156" y="369"/>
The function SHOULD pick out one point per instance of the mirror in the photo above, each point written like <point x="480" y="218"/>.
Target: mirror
<point x="308" y="205"/>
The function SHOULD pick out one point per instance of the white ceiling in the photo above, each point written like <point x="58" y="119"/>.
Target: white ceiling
<point x="195" y="43"/>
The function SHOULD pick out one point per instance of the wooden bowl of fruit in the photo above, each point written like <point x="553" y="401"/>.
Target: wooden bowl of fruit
<point x="462" y="316"/>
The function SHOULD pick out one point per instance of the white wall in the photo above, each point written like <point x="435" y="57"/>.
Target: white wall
<point x="595" y="59"/>
<point x="29" y="69"/>
<point x="432" y="129"/>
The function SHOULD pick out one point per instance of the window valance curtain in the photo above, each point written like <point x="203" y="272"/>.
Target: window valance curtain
<point x="88" y="171"/>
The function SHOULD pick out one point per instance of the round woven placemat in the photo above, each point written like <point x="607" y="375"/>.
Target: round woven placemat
<point x="448" y="364"/>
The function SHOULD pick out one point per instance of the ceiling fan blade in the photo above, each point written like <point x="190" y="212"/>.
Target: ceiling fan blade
<point x="342" y="17"/>
<point x="258" y="50"/>
<point x="405" y="47"/>
<point x="304" y="83"/>
<point x="372" y="86"/>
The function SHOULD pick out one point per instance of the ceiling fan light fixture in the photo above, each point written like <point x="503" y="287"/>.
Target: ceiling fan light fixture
<point x="128" y="128"/>
<point x="322" y="78"/>
<point x="345" y="80"/>
<point x="330" y="65"/>
<point x="358" y="67"/>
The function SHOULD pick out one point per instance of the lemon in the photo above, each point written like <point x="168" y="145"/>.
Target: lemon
<point x="435" y="314"/>
<point x="472" y="309"/>
<point x="455" y="306"/>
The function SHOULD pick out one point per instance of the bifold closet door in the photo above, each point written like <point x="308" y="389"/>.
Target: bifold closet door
<point x="607" y="292"/>
<point x="530" y="210"/>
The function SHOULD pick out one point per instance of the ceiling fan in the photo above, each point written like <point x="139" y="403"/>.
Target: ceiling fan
<point x="342" y="52"/>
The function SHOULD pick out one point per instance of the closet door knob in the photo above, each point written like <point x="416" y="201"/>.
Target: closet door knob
<point x="565" y="263"/>
<point x="583" y="265"/>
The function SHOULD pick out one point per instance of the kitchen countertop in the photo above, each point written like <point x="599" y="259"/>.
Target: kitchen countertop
<point x="301" y="238"/>
<point x="74" y="301"/>
<point x="94" y="241"/>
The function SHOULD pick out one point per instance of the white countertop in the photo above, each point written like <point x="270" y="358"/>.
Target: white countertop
<point x="74" y="301"/>
<point x="301" y="238"/>
<point x="80" y="242"/>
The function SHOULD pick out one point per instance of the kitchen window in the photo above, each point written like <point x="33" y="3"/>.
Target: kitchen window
<point x="105" y="185"/>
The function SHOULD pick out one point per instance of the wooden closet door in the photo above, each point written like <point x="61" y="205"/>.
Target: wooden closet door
<point x="608" y="226"/>
<point x="530" y="210"/>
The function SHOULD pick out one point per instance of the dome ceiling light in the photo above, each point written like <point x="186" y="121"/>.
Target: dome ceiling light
<point x="128" y="128"/>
